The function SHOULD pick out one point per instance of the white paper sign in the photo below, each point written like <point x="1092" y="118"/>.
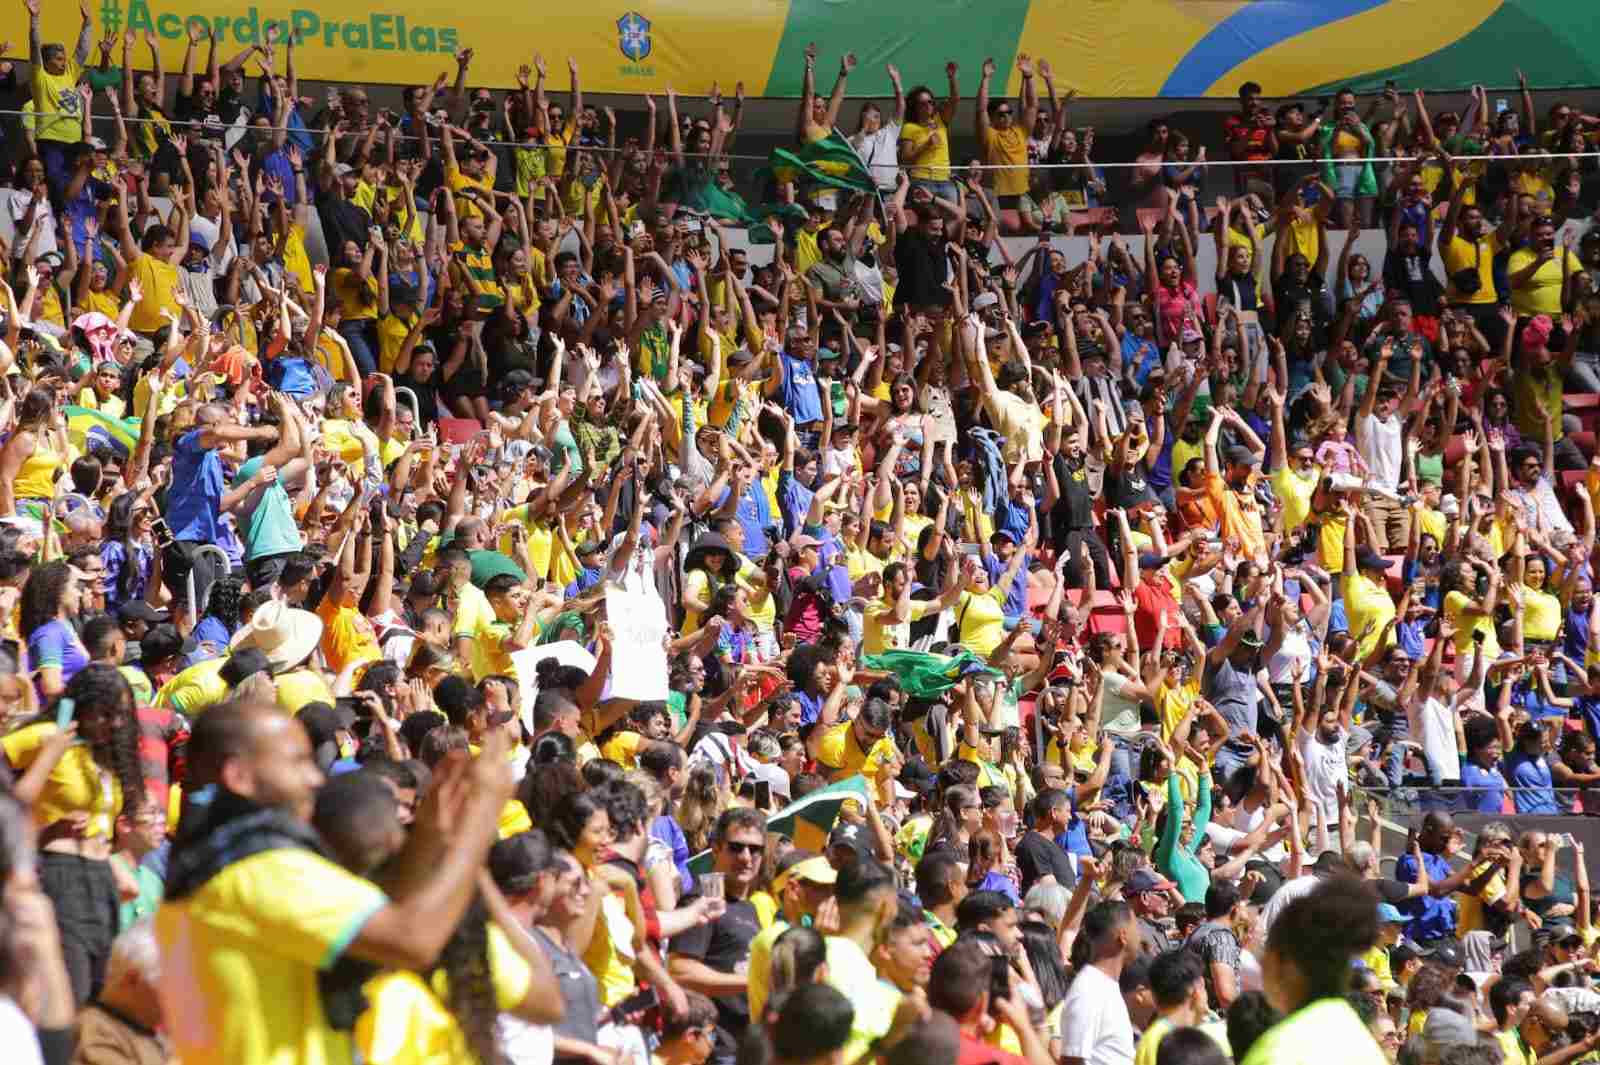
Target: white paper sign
<point x="525" y="662"/>
<point x="638" y="659"/>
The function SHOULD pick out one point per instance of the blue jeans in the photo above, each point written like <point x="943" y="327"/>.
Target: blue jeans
<point x="940" y="189"/>
<point x="362" y="336"/>
<point x="1120" y="782"/>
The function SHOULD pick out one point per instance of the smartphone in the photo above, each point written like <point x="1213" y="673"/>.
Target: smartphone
<point x="764" y="798"/>
<point x="64" y="711"/>
<point x="968" y="549"/>
<point x="634" y="1005"/>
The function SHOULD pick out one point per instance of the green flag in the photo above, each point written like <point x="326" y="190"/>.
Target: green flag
<point x="807" y="821"/>
<point x="831" y="161"/>
<point x="924" y="675"/>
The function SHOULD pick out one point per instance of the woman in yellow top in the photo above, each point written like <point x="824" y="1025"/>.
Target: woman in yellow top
<point x="924" y="147"/>
<point x="77" y="781"/>
<point x="1541" y="611"/>
<point x="1472" y="616"/>
<point x="355" y="286"/>
<point x="980" y="612"/>
<point x="32" y="460"/>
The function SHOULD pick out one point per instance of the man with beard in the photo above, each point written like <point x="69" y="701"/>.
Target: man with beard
<point x="1468" y="246"/>
<point x="835" y="274"/>
<point x="1069" y="500"/>
<point x="1407" y="270"/>
<point x="254" y="911"/>
<point x="1322" y="744"/>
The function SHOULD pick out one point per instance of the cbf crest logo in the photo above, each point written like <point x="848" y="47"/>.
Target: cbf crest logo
<point x="633" y="36"/>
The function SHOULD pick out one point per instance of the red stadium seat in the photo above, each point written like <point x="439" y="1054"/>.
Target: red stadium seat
<point x="1585" y="441"/>
<point x="458" y="430"/>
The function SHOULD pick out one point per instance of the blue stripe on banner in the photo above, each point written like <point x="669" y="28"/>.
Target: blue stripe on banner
<point x="1249" y="31"/>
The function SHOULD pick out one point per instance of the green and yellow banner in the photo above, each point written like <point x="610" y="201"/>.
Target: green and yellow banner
<point x="1101" y="48"/>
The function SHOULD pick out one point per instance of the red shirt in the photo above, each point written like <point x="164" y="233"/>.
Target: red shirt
<point x="1152" y="598"/>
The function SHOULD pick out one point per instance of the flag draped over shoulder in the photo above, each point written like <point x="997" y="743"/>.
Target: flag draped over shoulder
<point x="87" y="427"/>
<point x="924" y="675"/>
<point x="807" y="821"/>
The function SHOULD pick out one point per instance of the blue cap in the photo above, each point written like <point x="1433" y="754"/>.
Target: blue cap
<point x="1387" y="914"/>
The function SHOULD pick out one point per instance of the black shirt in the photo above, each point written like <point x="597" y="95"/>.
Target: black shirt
<point x="342" y="220"/>
<point x="923" y="269"/>
<point x="1075" y="507"/>
<point x="1413" y="274"/>
<point x="724" y="945"/>
<point x="1038" y="856"/>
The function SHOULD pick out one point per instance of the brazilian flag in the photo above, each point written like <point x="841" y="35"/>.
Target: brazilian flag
<point x="807" y="821"/>
<point x="87" y="427"/>
<point x="925" y="675"/>
<point x="831" y="161"/>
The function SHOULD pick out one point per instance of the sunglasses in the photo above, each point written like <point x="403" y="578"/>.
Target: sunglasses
<point x="745" y="848"/>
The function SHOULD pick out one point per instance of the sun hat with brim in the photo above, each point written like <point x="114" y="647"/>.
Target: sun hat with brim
<point x="707" y="543"/>
<point x="283" y="633"/>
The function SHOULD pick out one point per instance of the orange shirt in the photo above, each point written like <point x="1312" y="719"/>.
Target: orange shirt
<point x="1241" y="514"/>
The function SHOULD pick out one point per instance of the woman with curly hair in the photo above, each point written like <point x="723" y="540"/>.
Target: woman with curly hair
<point x="77" y="781"/>
<point x="50" y="600"/>
<point x="223" y="616"/>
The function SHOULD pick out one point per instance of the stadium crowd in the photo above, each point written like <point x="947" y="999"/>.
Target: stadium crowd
<point x="1053" y="652"/>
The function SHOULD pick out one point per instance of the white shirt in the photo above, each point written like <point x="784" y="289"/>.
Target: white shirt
<point x="879" y="151"/>
<point x="18" y="1033"/>
<point x="1325" y="768"/>
<point x="1094" y="1020"/>
<point x="1292" y="659"/>
<point x="1439" y="739"/>
<point x="19" y="200"/>
<point x="1380" y="447"/>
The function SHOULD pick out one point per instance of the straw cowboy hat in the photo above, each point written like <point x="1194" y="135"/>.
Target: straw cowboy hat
<point x="285" y="635"/>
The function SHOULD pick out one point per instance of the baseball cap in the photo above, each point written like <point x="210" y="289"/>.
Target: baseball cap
<point x="341" y="169"/>
<point x="1146" y="880"/>
<point x="803" y="865"/>
<point x="1248" y="638"/>
<point x="1387" y="914"/>
<point x="1445" y="952"/>
<point x="139" y="610"/>
<point x="987" y="299"/>
<point x="801" y="542"/>
<point x="1367" y="558"/>
<point x="1239" y="455"/>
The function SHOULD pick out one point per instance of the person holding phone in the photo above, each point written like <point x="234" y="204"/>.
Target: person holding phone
<point x="79" y="770"/>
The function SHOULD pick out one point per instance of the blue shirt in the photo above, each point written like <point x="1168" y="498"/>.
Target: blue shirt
<point x="667" y="831"/>
<point x="1431" y="918"/>
<point x="810" y="706"/>
<point x="800" y="395"/>
<point x="794" y="499"/>
<point x="1140" y="356"/>
<point x="1529" y="777"/>
<point x="1486" y="792"/>
<point x="1589" y="707"/>
<point x="1017" y="595"/>
<point x="194" y="498"/>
